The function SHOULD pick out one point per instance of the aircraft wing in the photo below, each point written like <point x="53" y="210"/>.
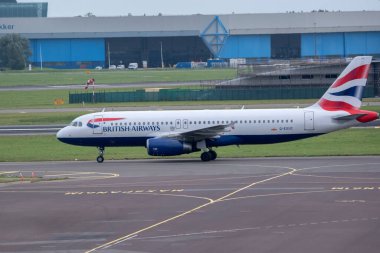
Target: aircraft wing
<point x="201" y="134"/>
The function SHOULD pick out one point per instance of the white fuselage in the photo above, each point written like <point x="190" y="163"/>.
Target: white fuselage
<point x="251" y="126"/>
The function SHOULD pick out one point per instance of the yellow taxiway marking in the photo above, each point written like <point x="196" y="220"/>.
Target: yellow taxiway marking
<point x="70" y="174"/>
<point x="282" y="226"/>
<point x="210" y="202"/>
<point x="359" y="178"/>
<point x="8" y="172"/>
<point x="86" y="175"/>
<point x="280" y="194"/>
<point x="337" y="165"/>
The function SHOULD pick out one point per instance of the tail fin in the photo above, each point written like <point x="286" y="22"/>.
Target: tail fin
<point x="347" y="90"/>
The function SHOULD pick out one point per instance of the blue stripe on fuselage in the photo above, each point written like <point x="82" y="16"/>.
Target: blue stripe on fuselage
<point x="222" y="141"/>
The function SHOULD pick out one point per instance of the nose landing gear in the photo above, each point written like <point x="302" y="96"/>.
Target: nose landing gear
<point x="100" y="158"/>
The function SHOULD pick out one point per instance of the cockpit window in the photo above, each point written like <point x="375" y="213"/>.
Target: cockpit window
<point x="76" y="124"/>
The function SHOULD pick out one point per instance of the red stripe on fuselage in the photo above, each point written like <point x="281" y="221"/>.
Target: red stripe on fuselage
<point x="357" y="73"/>
<point x="105" y="119"/>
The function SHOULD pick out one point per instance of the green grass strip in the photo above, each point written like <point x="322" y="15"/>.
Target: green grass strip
<point x="47" y="148"/>
<point x="65" y="77"/>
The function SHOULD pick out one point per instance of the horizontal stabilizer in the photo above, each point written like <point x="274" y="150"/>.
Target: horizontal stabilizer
<point x="349" y="117"/>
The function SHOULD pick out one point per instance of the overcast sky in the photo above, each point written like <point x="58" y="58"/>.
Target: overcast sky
<point x="70" y="8"/>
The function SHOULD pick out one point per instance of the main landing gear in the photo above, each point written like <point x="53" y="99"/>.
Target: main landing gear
<point x="100" y="158"/>
<point x="208" y="155"/>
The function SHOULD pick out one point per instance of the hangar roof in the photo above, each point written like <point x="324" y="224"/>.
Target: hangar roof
<point x="191" y="25"/>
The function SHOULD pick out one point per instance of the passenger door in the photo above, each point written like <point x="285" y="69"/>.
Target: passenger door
<point x="97" y="124"/>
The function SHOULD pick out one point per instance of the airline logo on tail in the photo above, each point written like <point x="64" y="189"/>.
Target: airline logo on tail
<point x="346" y="92"/>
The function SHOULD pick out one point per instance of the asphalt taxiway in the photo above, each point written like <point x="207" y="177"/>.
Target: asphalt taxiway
<point x="326" y="204"/>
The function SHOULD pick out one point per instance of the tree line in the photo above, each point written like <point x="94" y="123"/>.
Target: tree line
<point x="14" y="52"/>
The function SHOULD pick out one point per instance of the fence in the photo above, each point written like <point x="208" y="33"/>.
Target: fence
<point x="202" y="94"/>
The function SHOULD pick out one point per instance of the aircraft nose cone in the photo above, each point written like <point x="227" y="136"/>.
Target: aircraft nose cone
<point x="61" y="134"/>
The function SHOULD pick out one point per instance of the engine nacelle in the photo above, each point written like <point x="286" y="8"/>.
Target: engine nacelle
<point x="167" y="147"/>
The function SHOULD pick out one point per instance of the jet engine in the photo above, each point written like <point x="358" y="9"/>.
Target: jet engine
<point x="167" y="147"/>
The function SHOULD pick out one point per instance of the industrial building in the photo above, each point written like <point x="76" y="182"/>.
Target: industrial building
<point x="11" y="9"/>
<point x="87" y="42"/>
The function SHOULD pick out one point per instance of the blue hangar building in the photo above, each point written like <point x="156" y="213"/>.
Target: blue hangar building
<point x="86" y="42"/>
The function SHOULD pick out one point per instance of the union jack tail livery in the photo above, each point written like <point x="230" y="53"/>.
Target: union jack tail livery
<point x="346" y="92"/>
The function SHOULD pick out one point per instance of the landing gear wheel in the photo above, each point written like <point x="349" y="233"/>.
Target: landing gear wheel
<point x="213" y="154"/>
<point x="206" y="156"/>
<point x="100" y="159"/>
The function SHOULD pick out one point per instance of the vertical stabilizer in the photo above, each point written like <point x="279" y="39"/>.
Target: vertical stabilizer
<point x="347" y="90"/>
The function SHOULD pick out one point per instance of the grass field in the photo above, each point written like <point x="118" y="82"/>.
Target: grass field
<point x="45" y="99"/>
<point x="47" y="148"/>
<point x="63" y="77"/>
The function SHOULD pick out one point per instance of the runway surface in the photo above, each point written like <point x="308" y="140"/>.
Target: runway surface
<point x="327" y="204"/>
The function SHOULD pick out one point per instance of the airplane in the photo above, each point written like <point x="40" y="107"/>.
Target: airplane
<point x="176" y="132"/>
